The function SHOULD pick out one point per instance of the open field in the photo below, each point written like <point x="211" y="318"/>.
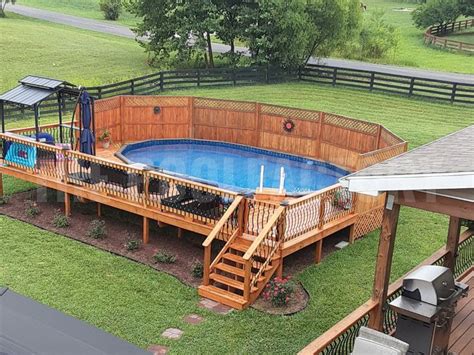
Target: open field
<point x="463" y="36"/>
<point x="137" y="304"/>
<point x="29" y="46"/>
<point x="412" y="52"/>
<point x="82" y="8"/>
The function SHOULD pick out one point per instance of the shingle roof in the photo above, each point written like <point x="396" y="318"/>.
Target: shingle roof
<point x="451" y="154"/>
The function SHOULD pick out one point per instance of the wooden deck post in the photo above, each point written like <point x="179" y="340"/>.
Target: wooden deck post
<point x="146" y="230"/>
<point x="1" y="186"/>
<point x="207" y="265"/>
<point x="279" y="272"/>
<point x="454" y="231"/>
<point x="319" y="251"/>
<point x="384" y="261"/>
<point x="67" y="204"/>
<point x="99" y="209"/>
<point x="180" y="232"/>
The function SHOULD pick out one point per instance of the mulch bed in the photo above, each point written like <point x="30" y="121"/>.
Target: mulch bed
<point x="298" y="301"/>
<point x="121" y="226"/>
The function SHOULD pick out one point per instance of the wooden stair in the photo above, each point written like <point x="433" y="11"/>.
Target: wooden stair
<point x="227" y="276"/>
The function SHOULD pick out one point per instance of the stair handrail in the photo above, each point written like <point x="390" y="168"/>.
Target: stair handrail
<point x="218" y="230"/>
<point x="273" y="222"/>
<point x="222" y="222"/>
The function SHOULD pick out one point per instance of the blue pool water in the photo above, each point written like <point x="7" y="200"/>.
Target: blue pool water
<point x="232" y="166"/>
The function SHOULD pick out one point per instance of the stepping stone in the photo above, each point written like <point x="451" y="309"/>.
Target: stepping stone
<point x="214" y="306"/>
<point x="341" y="245"/>
<point x="207" y="303"/>
<point x="193" y="319"/>
<point x="158" y="349"/>
<point x="172" y="333"/>
<point x="222" y="309"/>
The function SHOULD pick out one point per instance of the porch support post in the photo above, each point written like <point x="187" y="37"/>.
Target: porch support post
<point x="454" y="231"/>
<point x="67" y="204"/>
<point x="60" y="117"/>
<point x="36" y="110"/>
<point x="2" y="115"/>
<point x="384" y="261"/>
<point x="146" y="230"/>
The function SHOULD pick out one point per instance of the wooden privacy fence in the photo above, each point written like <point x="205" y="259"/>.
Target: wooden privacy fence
<point x="389" y="83"/>
<point x="436" y="35"/>
<point x="341" y="337"/>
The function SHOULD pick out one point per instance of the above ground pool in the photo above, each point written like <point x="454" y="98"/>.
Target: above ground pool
<point x="232" y="166"/>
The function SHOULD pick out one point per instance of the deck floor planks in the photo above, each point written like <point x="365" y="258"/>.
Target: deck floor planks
<point x="462" y="332"/>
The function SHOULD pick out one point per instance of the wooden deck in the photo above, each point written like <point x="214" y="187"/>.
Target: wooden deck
<point x="461" y="341"/>
<point x="109" y="153"/>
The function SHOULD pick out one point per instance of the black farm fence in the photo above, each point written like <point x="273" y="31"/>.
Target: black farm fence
<point x="389" y="83"/>
<point x="194" y="78"/>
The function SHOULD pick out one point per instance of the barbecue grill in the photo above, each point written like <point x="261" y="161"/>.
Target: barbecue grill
<point x="426" y="309"/>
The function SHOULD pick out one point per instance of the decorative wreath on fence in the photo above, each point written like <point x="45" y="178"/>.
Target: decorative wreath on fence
<point x="288" y="125"/>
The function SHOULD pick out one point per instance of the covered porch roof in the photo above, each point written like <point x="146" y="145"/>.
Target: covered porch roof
<point x="444" y="167"/>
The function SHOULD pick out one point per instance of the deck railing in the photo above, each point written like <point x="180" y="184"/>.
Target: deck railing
<point x="227" y="229"/>
<point x="341" y="337"/>
<point x="257" y="215"/>
<point x="263" y="249"/>
<point x="376" y="156"/>
<point x="313" y="211"/>
<point x="137" y="185"/>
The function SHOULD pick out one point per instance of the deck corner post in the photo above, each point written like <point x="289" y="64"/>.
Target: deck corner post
<point x="67" y="204"/>
<point x="207" y="265"/>
<point x="319" y="252"/>
<point x="146" y="230"/>
<point x="384" y="261"/>
<point x="1" y="185"/>
<point x="452" y="243"/>
<point x="247" y="279"/>
<point x="99" y="209"/>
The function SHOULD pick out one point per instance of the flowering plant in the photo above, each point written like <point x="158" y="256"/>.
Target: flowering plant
<point x="278" y="291"/>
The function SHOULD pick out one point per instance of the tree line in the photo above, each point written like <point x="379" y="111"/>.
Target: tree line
<point x="276" y="32"/>
<point x="441" y="12"/>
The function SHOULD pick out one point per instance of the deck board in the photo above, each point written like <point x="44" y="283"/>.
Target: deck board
<point x="109" y="153"/>
<point x="461" y="341"/>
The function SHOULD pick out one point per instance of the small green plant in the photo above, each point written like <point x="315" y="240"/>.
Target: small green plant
<point x="31" y="208"/>
<point x="132" y="243"/>
<point x="197" y="269"/>
<point x="164" y="257"/>
<point x="342" y="200"/>
<point x="97" y="229"/>
<point x="60" y="220"/>
<point x="4" y="199"/>
<point x="279" y="290"/>
<point x="111" y="9"/>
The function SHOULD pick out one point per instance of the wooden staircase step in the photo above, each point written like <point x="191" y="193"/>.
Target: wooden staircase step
<point x="240" y="247"/>
<point x="222" y="296"/>
<point x="230" y="269"/>
<point x="239" y="259"/>
<point x="229" y="282"/>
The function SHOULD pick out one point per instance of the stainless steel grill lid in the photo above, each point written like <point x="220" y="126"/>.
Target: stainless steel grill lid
<point x="431" y="284"/>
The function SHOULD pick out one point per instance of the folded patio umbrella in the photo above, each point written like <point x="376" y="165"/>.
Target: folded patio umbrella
<point x="87" y="138"/>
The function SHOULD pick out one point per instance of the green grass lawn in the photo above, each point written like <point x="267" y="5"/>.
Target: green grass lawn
<point x="82" y="8"/>
<point x="137" y="303"/>
<point x="463" y="36"/>
<point x="29" y="46"/>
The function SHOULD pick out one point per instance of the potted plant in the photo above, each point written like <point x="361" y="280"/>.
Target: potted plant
<point x="105" y="139"/>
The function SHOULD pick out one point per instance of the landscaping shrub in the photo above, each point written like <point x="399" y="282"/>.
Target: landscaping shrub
<point x="60" y="220"/>
<point x="111" y="9"/>
<point x="197" y="269"/>
<point x="164" y="257"/>
<point x="97" y="229"/>
<point x="278" y="291"/>
<point x="31" y="209"/>
<point x="132" y="243"/>
<point x="4" y="199"/>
